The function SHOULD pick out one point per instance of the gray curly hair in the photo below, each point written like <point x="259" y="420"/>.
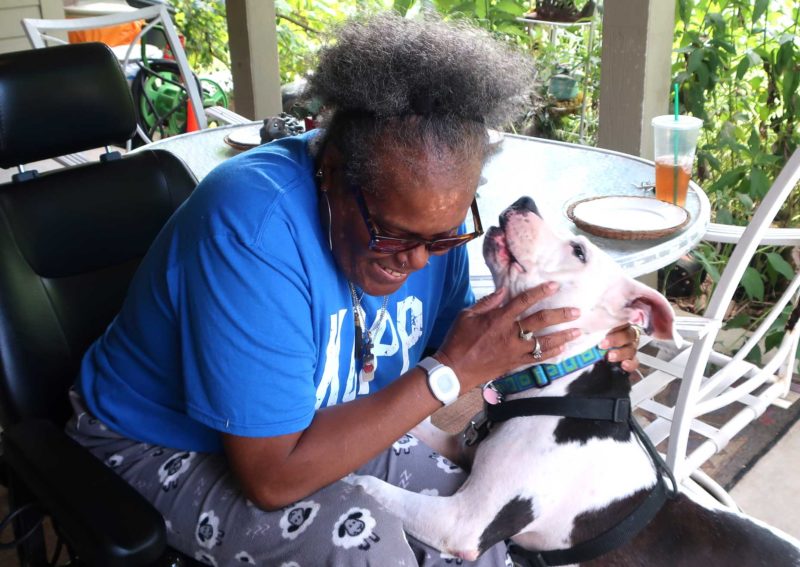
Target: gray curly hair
<point x="391" y="84"/>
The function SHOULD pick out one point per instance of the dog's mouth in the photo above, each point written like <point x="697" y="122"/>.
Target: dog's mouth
<point x="513" y="260"/>
<point x="498" y="253"/>
<point x="497" y="249"/>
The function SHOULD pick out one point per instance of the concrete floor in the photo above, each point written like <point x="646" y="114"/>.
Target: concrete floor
<point x="770" y="490"/>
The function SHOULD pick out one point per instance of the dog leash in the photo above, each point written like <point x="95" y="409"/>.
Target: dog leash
<point x="617" y="410"/>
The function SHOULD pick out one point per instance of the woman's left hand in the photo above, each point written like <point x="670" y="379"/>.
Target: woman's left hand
<point x="624" y="340"/>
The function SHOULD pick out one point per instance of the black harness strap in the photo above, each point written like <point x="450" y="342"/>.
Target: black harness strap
<point x="617" y="410"/>
<point x="606" y="541"/>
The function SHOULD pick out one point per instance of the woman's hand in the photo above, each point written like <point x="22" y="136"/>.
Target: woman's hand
<point x="484" y="341"/>
<point x="624" y="340"/>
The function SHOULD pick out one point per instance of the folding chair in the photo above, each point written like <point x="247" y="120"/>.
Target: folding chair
<point x="154" y="16"/>
<point x="711" y="380"/>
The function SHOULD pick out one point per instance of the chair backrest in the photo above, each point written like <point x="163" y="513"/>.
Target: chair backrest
<point x="753" y="235"/>
<point x="37" y="29"/>
<point x="731" y="379"/>
<point x="70" y="239"/>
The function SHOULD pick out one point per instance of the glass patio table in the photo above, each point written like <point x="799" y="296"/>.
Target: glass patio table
<point x="554" y="174"/>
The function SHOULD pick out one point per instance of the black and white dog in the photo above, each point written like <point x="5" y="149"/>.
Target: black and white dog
<point x="585" y="489"/>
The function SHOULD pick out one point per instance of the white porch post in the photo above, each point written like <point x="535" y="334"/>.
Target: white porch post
<point x="635" y="75"/>
<point x="254" y="57"/>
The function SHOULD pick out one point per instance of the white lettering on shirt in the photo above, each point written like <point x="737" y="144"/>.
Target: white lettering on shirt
<point x="329" y="382"/>
<point x="409" y="314"/>
<point x="403" y="337"/>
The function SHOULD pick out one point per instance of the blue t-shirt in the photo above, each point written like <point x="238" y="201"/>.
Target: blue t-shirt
<point x="238" y="319"/>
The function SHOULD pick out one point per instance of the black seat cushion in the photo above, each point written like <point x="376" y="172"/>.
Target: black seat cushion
<point x="70" y="242"/>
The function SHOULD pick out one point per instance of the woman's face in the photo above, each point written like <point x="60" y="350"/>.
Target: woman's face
<point x="416" y="198"/>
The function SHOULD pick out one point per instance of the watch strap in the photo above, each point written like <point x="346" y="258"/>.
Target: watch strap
<point x="429" y="364"/>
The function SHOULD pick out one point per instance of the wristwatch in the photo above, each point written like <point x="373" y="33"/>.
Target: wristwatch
<point x="442" y="381"/>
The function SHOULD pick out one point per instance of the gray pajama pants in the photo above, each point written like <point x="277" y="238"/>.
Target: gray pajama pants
<point x="209" y="518"/>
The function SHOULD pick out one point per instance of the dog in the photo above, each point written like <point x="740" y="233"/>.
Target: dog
<point x="572" y="490"/>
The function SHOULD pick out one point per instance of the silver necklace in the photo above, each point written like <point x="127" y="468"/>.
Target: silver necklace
<point x="364" y="336"/>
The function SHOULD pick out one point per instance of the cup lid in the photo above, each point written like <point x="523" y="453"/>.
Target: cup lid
<point x="683" y="122"/>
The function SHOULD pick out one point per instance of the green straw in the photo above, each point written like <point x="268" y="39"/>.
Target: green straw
<point x="675" y="150"/>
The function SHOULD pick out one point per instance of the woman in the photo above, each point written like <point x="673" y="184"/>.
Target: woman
<point x="269" y="342"/>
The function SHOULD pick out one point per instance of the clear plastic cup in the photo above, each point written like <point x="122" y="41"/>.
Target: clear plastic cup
<point x="674" y="142"/>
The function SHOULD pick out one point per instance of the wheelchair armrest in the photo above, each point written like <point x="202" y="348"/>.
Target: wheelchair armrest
<point x="103" y="518"/>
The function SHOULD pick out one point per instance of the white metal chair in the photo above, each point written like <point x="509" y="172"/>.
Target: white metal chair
<point x="710" y="380"/>
<point x="37" y="32"/>
<point x="730" y="234"/>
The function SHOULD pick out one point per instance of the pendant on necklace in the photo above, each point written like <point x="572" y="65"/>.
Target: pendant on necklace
<point x="359" y="340"/>
<point x="363" y="336"/>
<point x="367" y="363"/>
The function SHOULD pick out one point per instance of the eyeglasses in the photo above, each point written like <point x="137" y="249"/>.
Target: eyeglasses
<point x="393" y="245"/>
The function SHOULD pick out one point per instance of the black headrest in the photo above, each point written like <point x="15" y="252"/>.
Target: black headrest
<point x="61" y="100"/>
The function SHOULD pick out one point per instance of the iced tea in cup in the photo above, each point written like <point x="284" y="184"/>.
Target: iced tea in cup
<point x="675" y="142"/>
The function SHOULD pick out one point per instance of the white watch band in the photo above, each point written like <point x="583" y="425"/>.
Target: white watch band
<point x="442" y="381"/>
<point x="429" y="364"/>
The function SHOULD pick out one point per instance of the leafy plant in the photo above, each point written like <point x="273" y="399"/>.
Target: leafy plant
<point x="545" y="117"/>
<point x="301" y="28"/>
<point x="738" y="66"/>
<point x="203" y="25"/>
<point x="562" y="10"/>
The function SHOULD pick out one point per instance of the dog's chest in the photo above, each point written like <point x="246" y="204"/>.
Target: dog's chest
<point x="563" y="466"/>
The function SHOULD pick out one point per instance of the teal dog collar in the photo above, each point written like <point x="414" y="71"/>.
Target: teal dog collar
<point x="541" y="375"/>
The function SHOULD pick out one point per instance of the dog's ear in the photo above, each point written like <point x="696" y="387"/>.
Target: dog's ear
<point x="651" y="311"/>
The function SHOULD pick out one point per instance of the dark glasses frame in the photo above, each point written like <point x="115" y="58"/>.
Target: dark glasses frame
<point x="393" y="245"/>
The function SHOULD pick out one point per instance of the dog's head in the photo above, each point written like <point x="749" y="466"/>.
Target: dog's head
<point x="524" y="252"/>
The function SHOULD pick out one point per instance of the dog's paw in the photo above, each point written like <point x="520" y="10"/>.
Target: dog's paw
<point x="350" y="479"/>
<point x="370" y="484"/>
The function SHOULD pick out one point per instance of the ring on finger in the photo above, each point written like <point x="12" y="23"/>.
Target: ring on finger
<point x="537" y="349"/>
<point x="523" y="334"/>
<point x="638" y="333"/>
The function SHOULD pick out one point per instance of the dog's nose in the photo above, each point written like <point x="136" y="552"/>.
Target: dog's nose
<point x="525" y="204"/>
<point x="521" y="205"/>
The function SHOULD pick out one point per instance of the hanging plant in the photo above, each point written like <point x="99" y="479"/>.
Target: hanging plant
<point x="561" y="11"/>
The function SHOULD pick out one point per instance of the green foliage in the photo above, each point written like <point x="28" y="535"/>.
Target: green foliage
<point x="205" y="29"/>
<point x="301" y="27"/>
<point x="563" y="49"/>
<point x="497" y="16"/>
<point x="737" y="63"/>
<point x="737" y="67"/>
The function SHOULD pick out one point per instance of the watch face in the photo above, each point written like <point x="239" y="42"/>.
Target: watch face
<point x="447" y="383"/>
<point x="444" y="384"/>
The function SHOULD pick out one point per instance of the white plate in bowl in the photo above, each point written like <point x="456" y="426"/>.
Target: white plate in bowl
<point x="245" y="137"/>
<point x="627" y="217"/>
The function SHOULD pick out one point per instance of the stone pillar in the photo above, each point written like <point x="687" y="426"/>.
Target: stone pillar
<point x="254" y="57"/>
<point x="635" y="73"/>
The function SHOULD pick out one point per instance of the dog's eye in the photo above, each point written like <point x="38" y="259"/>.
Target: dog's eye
<point x="578" y="252"/>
